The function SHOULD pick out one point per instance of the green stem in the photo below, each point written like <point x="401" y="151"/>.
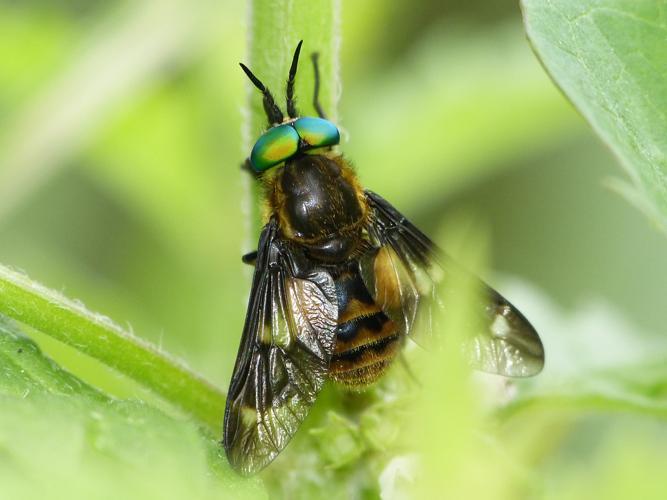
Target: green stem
<point x="274" y="29"/>
<point x="71" y="323"/>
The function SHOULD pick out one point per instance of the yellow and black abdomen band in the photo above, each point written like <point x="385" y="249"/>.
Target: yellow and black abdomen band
<point x="366" y="339"/>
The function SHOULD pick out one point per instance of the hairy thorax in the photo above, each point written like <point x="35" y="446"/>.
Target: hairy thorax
<point x="319" y="205"/>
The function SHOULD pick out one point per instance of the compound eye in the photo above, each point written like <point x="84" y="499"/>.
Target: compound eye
<point x="273" y="147"/>
<point x="317" y="132"/>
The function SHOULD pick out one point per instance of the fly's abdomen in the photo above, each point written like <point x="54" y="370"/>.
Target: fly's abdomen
<point x="367" y="341"/>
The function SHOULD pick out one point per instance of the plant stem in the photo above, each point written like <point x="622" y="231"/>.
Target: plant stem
<point x="71" y="323"/>
<point x="274" y="29"/>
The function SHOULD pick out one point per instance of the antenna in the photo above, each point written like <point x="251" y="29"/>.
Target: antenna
<point x="271" y="109"/>
<point x="291" y="105"/>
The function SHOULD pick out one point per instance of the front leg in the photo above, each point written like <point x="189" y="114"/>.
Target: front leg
<point x="246" y="166"/>
<point x="250" y="258"/>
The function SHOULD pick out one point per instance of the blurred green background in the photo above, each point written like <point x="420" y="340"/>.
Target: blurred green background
<point x="120" y="146"/>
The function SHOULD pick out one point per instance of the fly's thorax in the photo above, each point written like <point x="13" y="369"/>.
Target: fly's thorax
<point x="319" y="204"/>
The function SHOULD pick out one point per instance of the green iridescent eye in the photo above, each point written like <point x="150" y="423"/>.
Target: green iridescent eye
<point x="274" y="146"/>
<point x="317" y="132"/>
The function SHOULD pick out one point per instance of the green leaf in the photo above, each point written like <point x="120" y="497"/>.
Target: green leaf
<point x="609" y="58"/>
<point x="26" y="371"/>
<point x="71" y="323"/>
<point x="637" y="389"/>
<point x="60" y="438"/>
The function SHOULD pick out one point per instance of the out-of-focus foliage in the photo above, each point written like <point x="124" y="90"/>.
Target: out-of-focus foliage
<point x="120" y="146"/>
<point x="61" y="438"/>
<point x="609" y="57"/>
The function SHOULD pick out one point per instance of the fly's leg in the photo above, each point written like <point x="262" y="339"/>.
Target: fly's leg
<point x="250" y="258"/>
<point x="316" y="94"/>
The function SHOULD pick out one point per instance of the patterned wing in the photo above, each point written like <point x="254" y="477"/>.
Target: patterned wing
<point x="403" y="272"/>
<point x="283" y="359"/>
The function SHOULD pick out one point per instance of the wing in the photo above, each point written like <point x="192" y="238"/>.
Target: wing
<point x="283" y="359"/>
<point x="403" y="272"/>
